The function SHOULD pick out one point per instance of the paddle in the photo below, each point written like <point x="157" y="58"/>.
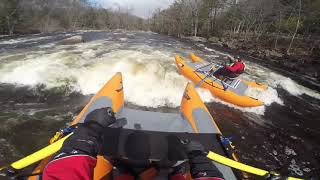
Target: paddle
<point x="238" y="165"/>
<point x="46" y="152"/>
<point x="243" y="167"/>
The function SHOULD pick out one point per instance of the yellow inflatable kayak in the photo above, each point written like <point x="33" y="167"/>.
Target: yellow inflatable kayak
<point x="229" y="90"/>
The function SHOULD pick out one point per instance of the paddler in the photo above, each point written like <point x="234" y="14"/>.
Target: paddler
<point x="234" y="70"/>
<point x="77" y="157"/>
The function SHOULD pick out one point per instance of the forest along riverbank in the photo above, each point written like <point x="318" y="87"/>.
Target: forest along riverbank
<point x="283" y="33"/>
<point x="44" y="83"/>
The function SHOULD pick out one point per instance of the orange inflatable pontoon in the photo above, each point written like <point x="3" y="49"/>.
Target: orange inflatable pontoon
<point x="229" y="90"/>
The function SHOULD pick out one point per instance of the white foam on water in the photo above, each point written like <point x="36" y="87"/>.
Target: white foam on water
<point x="50" y="45"/>
<point x="206" y="96"/>
<point x="209" y="56"/>
<point x="265" y="76"/>
<point x="291" y="86"/>
<point x="218" y="53"/>
<point x="274" y="80"/>
<point x="149" y="32"/>
<point x="215" y="51"/>
<point x="268" y="96"/>
<point x="130" y="34"/>
<point x="23" y="40"/>
<point x="209" y="49"/>
<point x="91" y="30"/>
<point x="149" y="79"/>
<point x="34" y="70"/>
<point x="89" y="53"/>
<point x="150" y="76"/>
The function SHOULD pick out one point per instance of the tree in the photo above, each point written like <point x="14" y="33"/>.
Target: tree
<point x="9" y="16"/>
<point x="34" y="16"/>
<point x="297" y="27"/>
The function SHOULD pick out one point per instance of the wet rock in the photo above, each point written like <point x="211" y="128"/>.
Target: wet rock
<point x="200" y="45"/>
<point x="251" y="51"/>
<point x="272" y="135"/>
<point x="306" y="169"/>
<point x="289" y="151"/>
<point x="295" y="168"/>
<point x="220" y="44"/>
<point x="291" y="65"/>
<point x="229" y="45"/>
<point x="72" y="40"/>
<point x="273" y="53"/>
<point x="294" y="137"/>
<point x="214" y="39"/>
<point x="274" y="152"/>
<point x="225" y="45"/>
<point x="208" y="49"/>
<point x="196" y="38"/>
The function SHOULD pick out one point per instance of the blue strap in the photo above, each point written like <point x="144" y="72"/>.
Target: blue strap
<point x="226" y="141"/>
<point x="67" y="130"/>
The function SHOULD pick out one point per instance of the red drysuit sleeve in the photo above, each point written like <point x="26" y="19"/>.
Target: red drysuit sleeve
<point x="73" y="167"/>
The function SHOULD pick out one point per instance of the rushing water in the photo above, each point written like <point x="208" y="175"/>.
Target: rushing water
<point x="44" y="84"/>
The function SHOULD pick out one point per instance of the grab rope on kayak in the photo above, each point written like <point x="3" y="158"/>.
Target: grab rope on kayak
<point x="63" y="132"/>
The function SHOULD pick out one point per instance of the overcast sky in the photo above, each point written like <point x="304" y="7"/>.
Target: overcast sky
<point x="141" y="8"/>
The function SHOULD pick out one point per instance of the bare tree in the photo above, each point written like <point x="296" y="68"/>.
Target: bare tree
<point x="278" y="31"/>
<point x="296" y="29"/>
<point x="9" y="14"/>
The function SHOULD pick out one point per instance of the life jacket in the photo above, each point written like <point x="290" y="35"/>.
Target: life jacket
<point x="240" y="71"/>
<point x="236" y="69"/>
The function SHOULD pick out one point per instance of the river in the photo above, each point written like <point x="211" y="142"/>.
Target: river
<point x="44" y="84"/>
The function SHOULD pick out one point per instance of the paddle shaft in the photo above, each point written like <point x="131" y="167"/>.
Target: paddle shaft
<point x="51" y="149"/>
<point x="243" y="167"/>
<point x="205" y="78"/>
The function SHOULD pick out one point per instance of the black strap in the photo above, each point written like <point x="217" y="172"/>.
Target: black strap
<point x="23" y="176"/>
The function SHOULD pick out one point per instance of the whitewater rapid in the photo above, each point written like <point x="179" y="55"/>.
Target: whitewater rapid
<point x="149" y="73"/>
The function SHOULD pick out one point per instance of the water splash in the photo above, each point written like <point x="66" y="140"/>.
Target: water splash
<point x="150" y="76"/>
